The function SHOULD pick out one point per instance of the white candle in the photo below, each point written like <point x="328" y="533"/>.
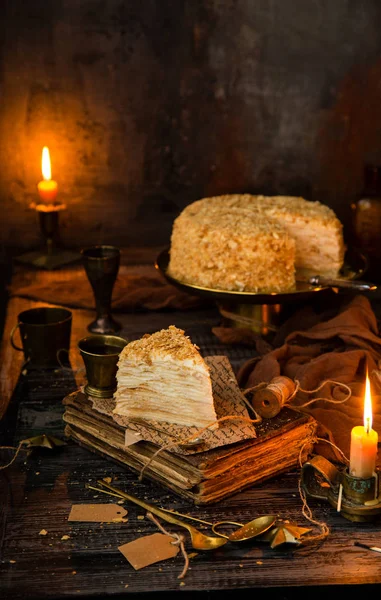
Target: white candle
<point x="47" y="188"/>
<point x="363" y="452"/>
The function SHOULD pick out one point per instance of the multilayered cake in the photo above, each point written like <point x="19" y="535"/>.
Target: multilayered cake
<point x="255" y="243"/>
<point x="163" y="377"/>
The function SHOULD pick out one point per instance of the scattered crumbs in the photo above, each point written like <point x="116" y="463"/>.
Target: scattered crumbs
<point x="182" y="583"/>
<point x="119" y="501"/>
<point x="119" y="520"/>
<point x="74" y="572"/>
<point x="65" y="537"/>
<point x="97" y="496"/>
<point x="241" y="565"/>
<point x="43" y="532"/>
<point x="126" y="586"/>
<point x="192" y="554"/>
<point x="37" y="473"/>
<point x="140" y="517"/>
<point x="12" y="562"/>
<point x="259" y="562"/>
<point x="50" y="544"/>
<point x="160" y="569"/>
<point x="107" y="479"/>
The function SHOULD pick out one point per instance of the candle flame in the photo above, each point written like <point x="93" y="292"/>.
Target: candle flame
<point x="367" y="405"/>
<point x="45" y="164"/>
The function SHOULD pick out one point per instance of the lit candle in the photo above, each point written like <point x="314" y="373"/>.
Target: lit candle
<point x="363" y="452"/>
<point x="47" y="188"/>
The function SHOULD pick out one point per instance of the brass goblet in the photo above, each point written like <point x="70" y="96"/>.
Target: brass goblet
<point x="101" y="264"/>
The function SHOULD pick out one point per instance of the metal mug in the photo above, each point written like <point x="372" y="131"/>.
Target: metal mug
<point x="45" y="335"/>
<point x="100" y="354"/>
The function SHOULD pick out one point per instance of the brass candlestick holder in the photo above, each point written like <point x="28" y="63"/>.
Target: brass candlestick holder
<point x="51" y="256"/>
<point x="357" y="499"/>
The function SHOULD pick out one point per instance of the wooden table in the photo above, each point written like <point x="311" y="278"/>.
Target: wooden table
<point x="39" y="488"/>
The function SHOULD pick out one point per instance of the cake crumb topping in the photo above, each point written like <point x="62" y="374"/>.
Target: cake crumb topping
<point x="167" y="342"/>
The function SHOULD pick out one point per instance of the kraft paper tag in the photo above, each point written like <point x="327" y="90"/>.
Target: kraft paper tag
<point x="149" y="549"/>
<point x="97" y="513"/>
<point x="131" y="437"/>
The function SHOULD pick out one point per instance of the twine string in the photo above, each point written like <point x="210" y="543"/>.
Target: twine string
<point x="307" y="513"/>
<point x="298" y="388"/>
<point x="306" y="510"/>
<point x="17" y="448"/>
<point x="178" y="541"/>
<point x="280" y="389"/>
<point x="195" y="435"/>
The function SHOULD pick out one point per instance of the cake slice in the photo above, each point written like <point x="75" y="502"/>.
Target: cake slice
<point x="163" y="377"/>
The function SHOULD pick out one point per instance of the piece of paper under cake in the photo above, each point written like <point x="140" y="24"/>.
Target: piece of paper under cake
<point x="163" y="377"/>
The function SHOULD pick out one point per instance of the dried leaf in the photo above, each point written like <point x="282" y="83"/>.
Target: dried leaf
<point x="43" y="441"/>
<point x="283" y="533"/>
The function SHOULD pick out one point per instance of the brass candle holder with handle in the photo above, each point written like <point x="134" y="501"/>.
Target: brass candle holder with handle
<point x="101" y="264"/>
<point x="356" y="498"/>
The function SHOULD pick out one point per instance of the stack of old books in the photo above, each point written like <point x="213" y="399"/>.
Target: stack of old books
<point x="202" y="463"/>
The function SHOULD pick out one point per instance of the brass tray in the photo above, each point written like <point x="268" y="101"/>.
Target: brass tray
<point x="354" y="267"/>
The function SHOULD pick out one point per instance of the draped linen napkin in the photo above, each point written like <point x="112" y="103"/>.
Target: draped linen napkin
<point x="138" y="287"/>
<point x="337" y="345"/>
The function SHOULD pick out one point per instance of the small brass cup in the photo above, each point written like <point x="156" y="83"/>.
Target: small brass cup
<point x="100" y="354"/>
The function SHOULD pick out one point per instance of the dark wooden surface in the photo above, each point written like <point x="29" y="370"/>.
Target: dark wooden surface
<point x="38" y="490"/>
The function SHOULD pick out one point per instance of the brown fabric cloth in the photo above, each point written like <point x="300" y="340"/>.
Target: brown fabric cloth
<point x="337" y="348"/>
<point x="136" y="287"/>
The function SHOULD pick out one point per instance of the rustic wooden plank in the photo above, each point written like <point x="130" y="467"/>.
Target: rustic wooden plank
<point x="38" y="490"/>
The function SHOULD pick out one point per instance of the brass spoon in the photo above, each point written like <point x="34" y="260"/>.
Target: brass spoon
<point x="199" y="540"/>
<point x="251" y="529"/>
<point x="246" y="531"/>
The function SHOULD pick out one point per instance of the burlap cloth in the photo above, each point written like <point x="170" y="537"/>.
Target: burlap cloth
<point x="137" y="287"/>
<point x="335" y="344"/>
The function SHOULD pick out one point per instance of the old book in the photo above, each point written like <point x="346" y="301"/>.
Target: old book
<point x="203" y="477"/>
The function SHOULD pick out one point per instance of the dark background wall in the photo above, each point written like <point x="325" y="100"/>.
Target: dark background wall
<point x="147" y="105"/>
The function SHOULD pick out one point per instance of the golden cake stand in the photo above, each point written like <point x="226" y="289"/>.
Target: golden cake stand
<point x="264" y="312"/>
